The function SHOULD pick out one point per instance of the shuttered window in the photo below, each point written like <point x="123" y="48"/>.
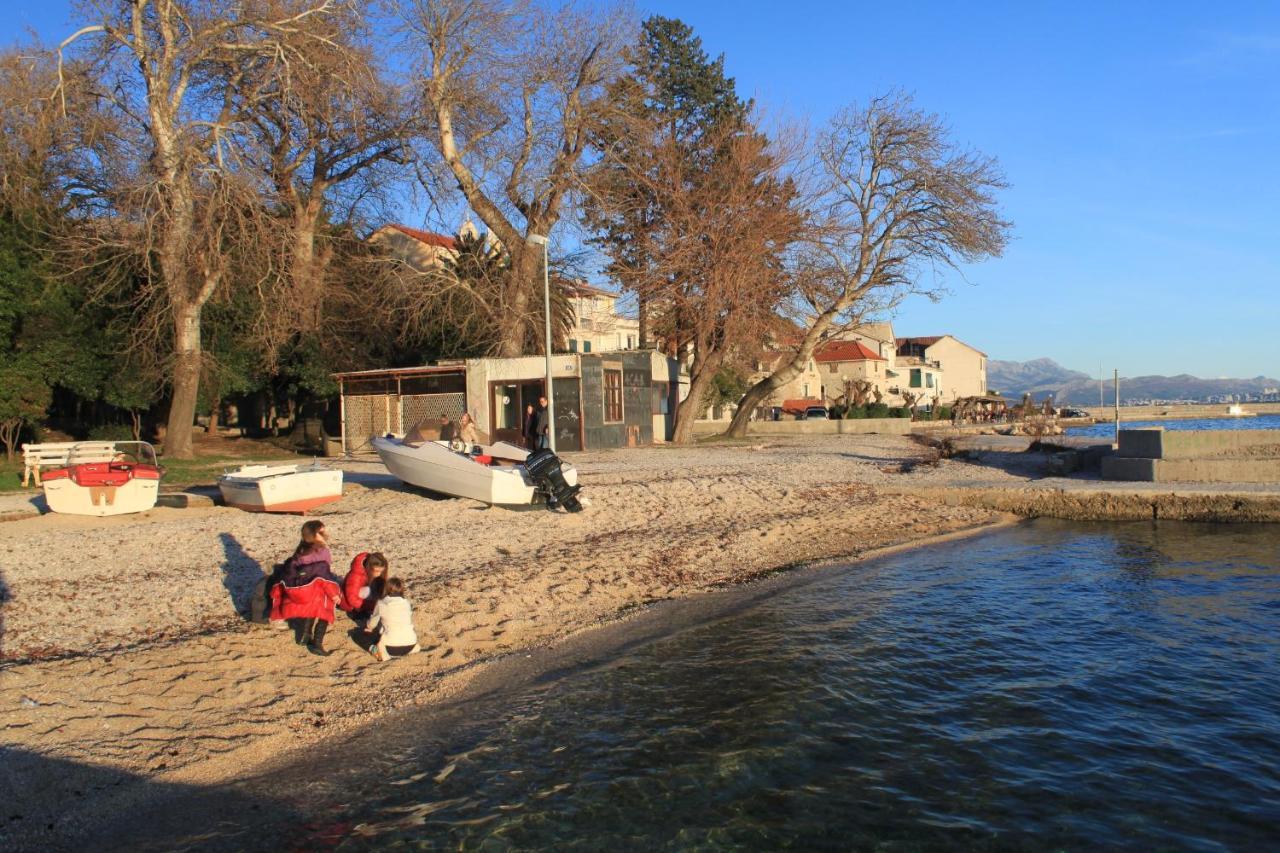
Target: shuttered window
<point x="613" y="396"/>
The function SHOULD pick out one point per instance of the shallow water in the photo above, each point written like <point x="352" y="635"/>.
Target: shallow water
<point x="1108" y="429"/>
<point x="1047" y="686"/>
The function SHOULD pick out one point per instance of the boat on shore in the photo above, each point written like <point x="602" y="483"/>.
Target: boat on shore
<point x="280" y="488"/>
<point x="1238" y="412"/>
<point x="500" y="473"/>
<point x="119" y="479"/>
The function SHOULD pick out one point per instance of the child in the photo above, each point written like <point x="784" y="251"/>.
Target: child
<point x="362" y="587"/>
<point x="394" y="616"/>
<point x="308" y="590"/>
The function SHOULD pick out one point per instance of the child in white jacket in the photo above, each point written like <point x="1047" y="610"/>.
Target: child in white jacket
<point x="392" y="618"/>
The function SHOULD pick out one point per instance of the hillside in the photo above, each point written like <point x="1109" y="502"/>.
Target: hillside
<point x="1044" y="376"/>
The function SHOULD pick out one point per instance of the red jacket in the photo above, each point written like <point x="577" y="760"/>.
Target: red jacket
<point x="308" y="591"/>
<point x="357" y="578"/>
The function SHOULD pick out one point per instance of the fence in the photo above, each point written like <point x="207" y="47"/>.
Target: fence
<point x="367" y="416"/>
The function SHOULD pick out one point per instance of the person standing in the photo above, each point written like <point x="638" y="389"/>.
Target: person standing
<point x="529" y="429"/>
<point x="542" y="426"/>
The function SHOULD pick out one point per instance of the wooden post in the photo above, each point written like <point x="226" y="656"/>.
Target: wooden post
<point x="342" y="416"/>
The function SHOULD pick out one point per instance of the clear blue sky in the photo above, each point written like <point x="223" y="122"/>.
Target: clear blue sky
<point x="1142" y="141"/>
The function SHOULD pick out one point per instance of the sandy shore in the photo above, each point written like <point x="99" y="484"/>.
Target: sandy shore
<point x="125" y="659"/>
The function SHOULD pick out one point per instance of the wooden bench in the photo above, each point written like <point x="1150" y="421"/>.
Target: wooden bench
<point x="54" y="455"/>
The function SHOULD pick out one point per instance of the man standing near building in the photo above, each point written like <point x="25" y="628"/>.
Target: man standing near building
<point x="542" y="424"/>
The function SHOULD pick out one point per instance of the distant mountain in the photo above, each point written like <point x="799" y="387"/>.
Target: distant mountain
<point x="1044" y="376"/>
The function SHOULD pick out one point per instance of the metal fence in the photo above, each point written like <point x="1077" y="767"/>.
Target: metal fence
<point x="368" y="416"/>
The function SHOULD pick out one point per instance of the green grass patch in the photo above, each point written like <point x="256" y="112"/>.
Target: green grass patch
<point x="205" y="470"/>
<point x="10" y="474"/>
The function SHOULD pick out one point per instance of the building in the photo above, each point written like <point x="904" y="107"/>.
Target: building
<point x="618" y="399"/>
<point x="598" y="326"/>
<point x="941" y="366"/>
<point x="843" y="363"/>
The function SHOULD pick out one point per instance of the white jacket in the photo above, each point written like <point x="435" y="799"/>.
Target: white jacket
<point x="395" y="615"/>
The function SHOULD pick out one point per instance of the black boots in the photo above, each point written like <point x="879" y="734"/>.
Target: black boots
<point x="316" y="646"/>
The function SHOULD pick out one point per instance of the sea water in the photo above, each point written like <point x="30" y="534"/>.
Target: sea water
<point x="1046" y="686"/>
<point x="1108" y="429"/>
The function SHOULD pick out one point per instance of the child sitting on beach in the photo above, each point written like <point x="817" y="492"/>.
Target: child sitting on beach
<point x="308" y="591"/>
<point x="393" y="619"/>
<point x="362" y="587"/>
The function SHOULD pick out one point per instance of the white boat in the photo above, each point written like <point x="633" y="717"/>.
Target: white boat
<point x="1237" y="412"/>
<point x="280" y="488"/>
<point x="494" y="475"/>
<point x="104" y="480"/>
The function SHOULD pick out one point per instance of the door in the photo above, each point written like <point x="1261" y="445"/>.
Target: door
<point x="506" y="412"/>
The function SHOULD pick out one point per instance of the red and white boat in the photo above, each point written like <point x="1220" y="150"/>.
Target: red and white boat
<point x="280" y="488"/>
<point x="116" y="479"/>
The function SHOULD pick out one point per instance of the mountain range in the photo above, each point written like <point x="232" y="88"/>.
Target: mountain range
<point x="1044" y="376"/>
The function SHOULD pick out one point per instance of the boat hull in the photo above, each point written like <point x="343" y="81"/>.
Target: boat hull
<point x="432" y="465"/>
<point x="284" y="489"/>
<point x="65" y="495"/>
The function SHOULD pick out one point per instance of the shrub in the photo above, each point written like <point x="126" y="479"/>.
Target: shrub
<point x="111" y="432"/>
<point x="856" y="412"/>
<point x="942" y="413"/>
<point x="900" y="412"/>
<point x="878" y="410"/>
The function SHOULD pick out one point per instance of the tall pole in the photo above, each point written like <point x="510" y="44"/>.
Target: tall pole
<point x="1117" y="381"/>
<point x="1100" y="402"/>
<point x="546" y="308"/>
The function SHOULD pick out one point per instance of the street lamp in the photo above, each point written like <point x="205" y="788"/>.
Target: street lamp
<point x="545" y="243"/>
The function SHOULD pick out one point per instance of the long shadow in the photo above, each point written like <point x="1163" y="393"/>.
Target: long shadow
<point x="56" y="804"/>
<point x="240" y="573"/>
<point x="5" y="597"/>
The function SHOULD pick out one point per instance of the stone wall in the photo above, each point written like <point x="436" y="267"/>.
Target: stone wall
<point x="860" y="426"/>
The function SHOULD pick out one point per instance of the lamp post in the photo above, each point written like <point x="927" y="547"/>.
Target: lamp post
<point x="545" y="243"/>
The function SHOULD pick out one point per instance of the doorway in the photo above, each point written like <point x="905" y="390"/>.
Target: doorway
<point x="506" y="412"/>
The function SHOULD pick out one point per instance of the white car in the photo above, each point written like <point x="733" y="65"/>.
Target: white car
<point x="815" y="413"/>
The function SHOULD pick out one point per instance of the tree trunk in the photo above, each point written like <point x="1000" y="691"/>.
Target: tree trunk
<point x="212" y="428"/>
<point x="9" y="431"/>
<point x="186" y="381"/>
<point x="642" y="309"/>
<point x="136" y="417"/>
<point x="758" y="393"/>
<point x="691" y="406"/>
<point x="525" y="268"/>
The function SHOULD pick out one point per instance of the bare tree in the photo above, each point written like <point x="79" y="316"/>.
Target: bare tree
<point x="181" y="198"/>
<point x="331" y="134"/>
<point x="712" y="273"/>
<point x="895" y="200"/>
<point x="511" y="86"/>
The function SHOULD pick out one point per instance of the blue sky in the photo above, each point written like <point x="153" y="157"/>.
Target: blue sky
<point x="1140" y="139"/>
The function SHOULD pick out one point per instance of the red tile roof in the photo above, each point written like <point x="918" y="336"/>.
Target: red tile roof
<point x="431" y="239"/>
<point x="845" y="351"/>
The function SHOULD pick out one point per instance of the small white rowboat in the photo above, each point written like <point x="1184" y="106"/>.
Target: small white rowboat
<point x="98" y="480"/>
<point x="280" y="488"/>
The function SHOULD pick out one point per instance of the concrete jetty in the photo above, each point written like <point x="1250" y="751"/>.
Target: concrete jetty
<point x="1202" y="456"/>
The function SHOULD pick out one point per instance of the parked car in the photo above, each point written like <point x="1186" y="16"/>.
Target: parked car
<point x="1072" y="413"/>
<point x="815" y="413"/>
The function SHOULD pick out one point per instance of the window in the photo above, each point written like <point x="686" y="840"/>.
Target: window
<point x="612" y="396"/>
<point x="586" y="346"/>
<point x="833" y="367"/>
<point x="806" y="391"/>
<point x="573" y="345"/>
<point x="915" y="377"/>
<point x="928" y="379"/>
<point x="584" y="324"/>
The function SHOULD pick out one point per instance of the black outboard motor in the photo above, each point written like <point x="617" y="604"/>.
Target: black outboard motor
<point x="544" y="469"/>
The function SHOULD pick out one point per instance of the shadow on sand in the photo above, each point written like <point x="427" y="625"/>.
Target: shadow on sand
<point x="240" y="573"/>
<point x="55" y="804"/>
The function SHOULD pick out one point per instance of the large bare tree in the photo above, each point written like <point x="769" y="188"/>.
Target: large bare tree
<point x="511" y="86"/>
<point x="895" y="200"/>
<point x="182" y="198"/>
<point x="711" y="265"/>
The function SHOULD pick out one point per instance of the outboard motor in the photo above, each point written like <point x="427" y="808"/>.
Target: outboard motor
<point x="543" y="468"/>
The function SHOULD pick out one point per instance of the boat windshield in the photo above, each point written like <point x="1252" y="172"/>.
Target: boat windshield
<point x="125" y="452"/>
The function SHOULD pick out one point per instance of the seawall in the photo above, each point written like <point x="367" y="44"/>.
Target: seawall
<point x="1112" y="504"/>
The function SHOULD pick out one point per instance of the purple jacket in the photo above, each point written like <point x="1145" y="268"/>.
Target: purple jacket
<point x="303" y="569"/>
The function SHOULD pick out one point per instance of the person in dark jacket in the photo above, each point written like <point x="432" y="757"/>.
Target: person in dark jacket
<point x="306" y="595"/>
<point x="542" y="425"/>
<point x="529" y="430"/>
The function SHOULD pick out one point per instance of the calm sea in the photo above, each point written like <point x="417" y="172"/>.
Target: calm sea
<point x="1048" y="686"/>
<point x="1108" y="430"/>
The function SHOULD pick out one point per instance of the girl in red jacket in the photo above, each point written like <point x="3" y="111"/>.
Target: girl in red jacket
<point x="308" y="591"/>
<point x="362" y="587"/>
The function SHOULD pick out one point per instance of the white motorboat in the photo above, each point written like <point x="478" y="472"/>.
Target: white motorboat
<point x="1235" y="411"/>
<point x="490" y="473"/>
<point x="98" y="479"/>
<point x="280" y="488"/>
